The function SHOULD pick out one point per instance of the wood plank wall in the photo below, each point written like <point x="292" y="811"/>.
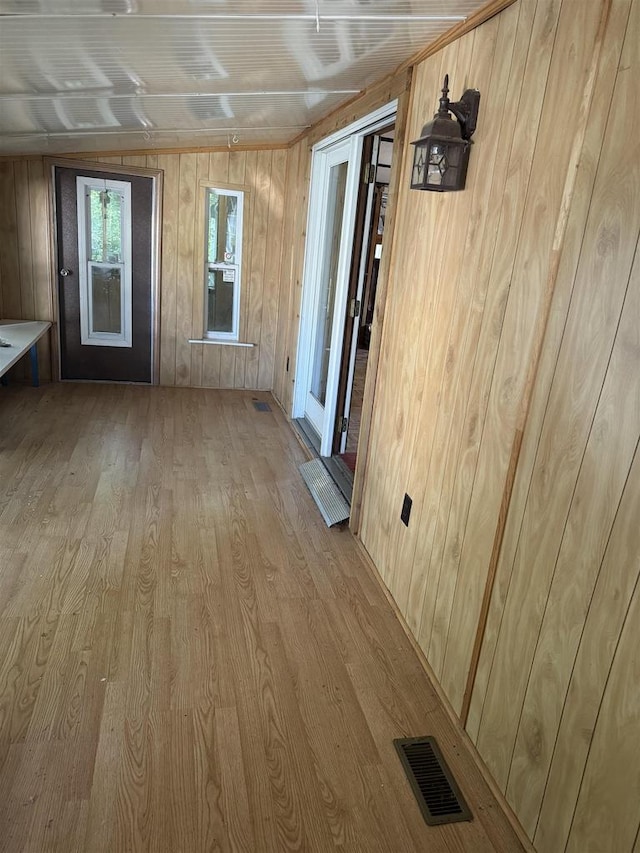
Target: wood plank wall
<point x="556" y="705"/>
<point x="508" y="407"/>
<point x="298" y="168"/>
<point x="25" y="262"/>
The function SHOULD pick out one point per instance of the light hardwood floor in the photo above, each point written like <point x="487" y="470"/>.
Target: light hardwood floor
<point x="189" y="659"/>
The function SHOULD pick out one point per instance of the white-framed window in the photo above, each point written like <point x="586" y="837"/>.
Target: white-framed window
<point x="104" y="245"/>
<point x="223" y="262"/>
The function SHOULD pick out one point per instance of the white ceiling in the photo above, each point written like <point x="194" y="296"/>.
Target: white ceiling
<point x="115" y="75"/>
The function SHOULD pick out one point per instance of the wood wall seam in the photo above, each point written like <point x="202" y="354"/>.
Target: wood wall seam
<point x="579" y="133"/>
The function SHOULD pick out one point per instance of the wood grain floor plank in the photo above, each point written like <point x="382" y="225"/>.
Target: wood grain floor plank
<point x="190" y="660"/>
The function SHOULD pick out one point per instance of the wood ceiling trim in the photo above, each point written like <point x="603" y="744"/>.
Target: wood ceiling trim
<point x="492" y="8"/>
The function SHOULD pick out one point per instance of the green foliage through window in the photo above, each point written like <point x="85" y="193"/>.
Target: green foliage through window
<point x="105" y="225"/>
<point x="221" y="236"/>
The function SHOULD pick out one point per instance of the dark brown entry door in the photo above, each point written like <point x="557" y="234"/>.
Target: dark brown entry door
<point x="78" y="360"/>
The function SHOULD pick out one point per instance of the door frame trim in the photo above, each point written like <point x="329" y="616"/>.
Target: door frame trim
<point x="157" y="177"/>
<point x="309" y="309"/>
<point x="354" y="132"/>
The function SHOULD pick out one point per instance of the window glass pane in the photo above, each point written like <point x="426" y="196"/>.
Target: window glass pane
<point x="212" y="241"/>
<point x="106" y="299"/>
<point x="105" y="225"/>
<point x="223" y="262"/>
<point x="329" y="275"/>
<point x="220" y="286"/>
<point x="222" y="230"/>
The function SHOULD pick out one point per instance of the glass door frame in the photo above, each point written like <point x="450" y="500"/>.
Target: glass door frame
<point x="89" y="335"/>
<point x="346" y="151"/>
<point x="346" y="141"/>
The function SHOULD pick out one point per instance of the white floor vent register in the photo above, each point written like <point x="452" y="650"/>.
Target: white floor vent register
<point x="325" y="493"/>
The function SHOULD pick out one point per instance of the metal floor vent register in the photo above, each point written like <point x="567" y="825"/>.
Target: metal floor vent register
<point x="261" y="406"/>
<point x="432" y="783"/>
<point x="325" y="493"/>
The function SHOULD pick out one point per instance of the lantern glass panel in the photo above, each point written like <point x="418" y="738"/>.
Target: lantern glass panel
<point x="438" y="164"/>
<point x="419" y="163"/>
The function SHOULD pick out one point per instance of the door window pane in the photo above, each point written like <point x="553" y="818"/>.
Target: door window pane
<point x="104" y="261"/>
<point x="106" y="299"/>
<point x="105" y="225"/>
<point x="328" y="281"/>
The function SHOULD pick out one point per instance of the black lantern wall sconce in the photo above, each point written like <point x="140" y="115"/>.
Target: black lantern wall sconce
<point x="441" y="155"/>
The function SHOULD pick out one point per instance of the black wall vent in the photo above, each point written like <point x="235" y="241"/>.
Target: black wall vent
<point x="260" y="406"/>
<point x="433" y="785"/>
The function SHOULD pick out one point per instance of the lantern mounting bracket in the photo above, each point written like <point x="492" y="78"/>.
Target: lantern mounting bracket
<point x="465" y="110"/>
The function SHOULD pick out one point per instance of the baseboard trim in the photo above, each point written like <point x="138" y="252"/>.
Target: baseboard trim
<point x="455" y="719"/>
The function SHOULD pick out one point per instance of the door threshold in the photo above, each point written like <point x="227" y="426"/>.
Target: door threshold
<point x="340" y="474"/>
<point x="337" y="470"/>
<point x="307" y="433"/>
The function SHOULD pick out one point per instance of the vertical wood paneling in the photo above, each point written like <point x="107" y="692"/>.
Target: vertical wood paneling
<point x="9" y="252"/>
<point x="286" y="275"/>
<point x="580" y="375"/>
<point x="240" y="369"/>
<point x="295" y="217"/>
<point x="38" y="189"/>
<point x="25" y="239"/>
<point x="25" y="263"/>
<point x="259" y="242"/>
<point x="218" y="170"/>
<point x="202" y="365"/>
<point x="197" y="297"/>
<point x="567" y="269"/>
<point x="24" y="251"/>
<point x="187" y="199"/>
<point x="560" y="619"/>
<point x="379" y="529"/>
<point x="607" y="816"/>
<point x="462" y="222"/>
<point x="526" y="282"/>
<point x="229" y="355"/>
<point x="139" y="161"/>
<point x="525" y="332"/>
<point x="587" y="529"/>
<point x="608" y="608"/>
<point x="25" y="243"/>
<point x="479" y="341"/>
<point x="168" y="288"/>
<point x="465" y="327"/>
<point x="449" y="221"/>
<point x="272" y="280"/>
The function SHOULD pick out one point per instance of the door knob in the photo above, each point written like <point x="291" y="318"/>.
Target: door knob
<point x="64" y="271"/>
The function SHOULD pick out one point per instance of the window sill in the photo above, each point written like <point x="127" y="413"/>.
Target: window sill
<point x="219" y="343"/>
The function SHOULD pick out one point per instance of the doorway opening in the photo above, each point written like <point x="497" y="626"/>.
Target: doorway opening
<point x="363" y="280"/>
<point x="350" y="178"/>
